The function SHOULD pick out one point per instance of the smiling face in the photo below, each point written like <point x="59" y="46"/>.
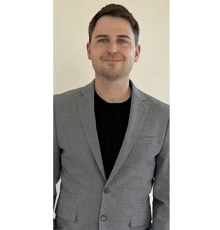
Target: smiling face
<point x="112" y="49"/>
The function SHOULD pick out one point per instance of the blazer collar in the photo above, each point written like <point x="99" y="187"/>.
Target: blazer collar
<point x="138" y="111"/>
<point x="88" y="90"/>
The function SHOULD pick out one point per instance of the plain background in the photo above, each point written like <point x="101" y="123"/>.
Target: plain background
<point x="72" y="69"/>
<point x="26" y="89"/>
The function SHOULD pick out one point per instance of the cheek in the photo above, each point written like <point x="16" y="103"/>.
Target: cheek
<point x="97" y="53"/>
<point x="130" y="57"/>
<point x="129" y="53"/>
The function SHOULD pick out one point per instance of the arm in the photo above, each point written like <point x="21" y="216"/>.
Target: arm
<point x="56" y="161"/>
<point x="161" y="188"/>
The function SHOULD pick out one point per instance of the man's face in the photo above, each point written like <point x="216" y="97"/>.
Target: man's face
<point x="112" y="49"/>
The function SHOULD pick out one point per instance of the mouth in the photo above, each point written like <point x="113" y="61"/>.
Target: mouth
<point x="112" y="60"/>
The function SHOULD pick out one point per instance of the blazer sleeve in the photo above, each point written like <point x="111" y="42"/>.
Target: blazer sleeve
<point x="56" y="159"/>
<point x="161" y="188"/>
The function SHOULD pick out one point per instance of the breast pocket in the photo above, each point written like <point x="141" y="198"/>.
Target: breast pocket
<point x="146" y="139"/>
<point x="147" y="144"/>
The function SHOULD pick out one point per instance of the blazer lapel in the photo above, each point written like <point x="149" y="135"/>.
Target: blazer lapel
<point x="85" y="105"/>
<point x="137" y="116"/>
<point x="138" y="111"/>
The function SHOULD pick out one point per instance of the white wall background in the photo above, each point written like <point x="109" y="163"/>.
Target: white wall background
<point x="72" y="69"/>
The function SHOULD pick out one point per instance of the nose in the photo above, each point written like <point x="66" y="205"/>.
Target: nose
<point x="112" y="48"/>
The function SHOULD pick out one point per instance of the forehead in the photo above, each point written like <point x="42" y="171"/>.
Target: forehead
<point x="112" y="25"/>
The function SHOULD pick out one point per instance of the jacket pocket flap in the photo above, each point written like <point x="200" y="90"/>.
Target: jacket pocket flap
<point x="66" y="213"/>
<point x="138" y="220"/>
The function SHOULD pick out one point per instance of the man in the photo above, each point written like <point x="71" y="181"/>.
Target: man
<point x="110" y="139"/>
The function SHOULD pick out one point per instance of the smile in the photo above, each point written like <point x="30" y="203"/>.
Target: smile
<point x="112" y="60"/>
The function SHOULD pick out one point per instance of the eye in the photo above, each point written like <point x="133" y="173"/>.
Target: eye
<point x="103" y="40"/>
<point x="122" y="41"/>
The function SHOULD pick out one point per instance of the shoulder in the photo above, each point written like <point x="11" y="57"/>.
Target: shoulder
<point x="156" y="109"/>
<point x="66" y="97"/>
<point x="154" y="105"/>
<point x="73" y="94"/>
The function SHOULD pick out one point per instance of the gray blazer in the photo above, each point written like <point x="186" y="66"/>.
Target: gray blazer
<point x="87" y="200"/>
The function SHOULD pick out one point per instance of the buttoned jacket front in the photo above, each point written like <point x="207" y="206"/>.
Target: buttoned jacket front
<point x="87" y="200"/>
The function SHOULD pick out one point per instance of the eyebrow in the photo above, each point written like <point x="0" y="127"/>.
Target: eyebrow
<point x="107" y="36"/>
<point x="101" y="36"/>
<point x="124" y="36"/>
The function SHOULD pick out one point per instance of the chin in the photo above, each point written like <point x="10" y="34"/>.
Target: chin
<point x="113" y="76"/>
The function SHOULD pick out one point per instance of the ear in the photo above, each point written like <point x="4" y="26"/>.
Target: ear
<point x="137" y="52"/>
<point x="88" y="47"/>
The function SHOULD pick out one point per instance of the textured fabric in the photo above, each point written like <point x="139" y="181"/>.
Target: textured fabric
<point x="87" y="199"/>
<point x="111" y="124"/>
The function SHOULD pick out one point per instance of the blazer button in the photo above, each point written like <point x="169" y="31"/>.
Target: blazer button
<point x="103" y="217"/>
<point x="106" y="190"/>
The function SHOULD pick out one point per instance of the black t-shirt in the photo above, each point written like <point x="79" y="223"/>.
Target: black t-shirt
<point x="111" y="123"/>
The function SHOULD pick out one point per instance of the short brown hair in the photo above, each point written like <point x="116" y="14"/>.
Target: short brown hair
<point x="115" y="10"/>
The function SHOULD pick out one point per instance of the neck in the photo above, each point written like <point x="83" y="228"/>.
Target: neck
<point x="113" y="91"/>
